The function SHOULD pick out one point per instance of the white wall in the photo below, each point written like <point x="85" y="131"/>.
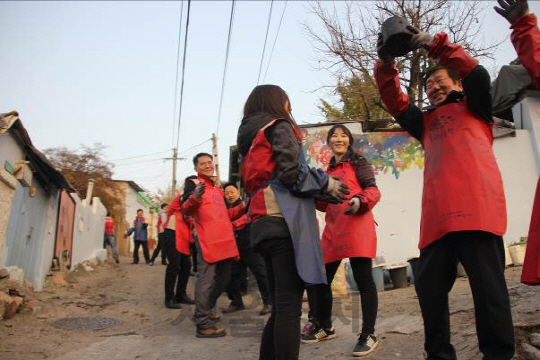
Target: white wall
<point x="88" y="231"/>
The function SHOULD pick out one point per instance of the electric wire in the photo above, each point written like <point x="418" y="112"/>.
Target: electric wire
<point x="194" y="147"/>
<point x="265" y="39"/>
<point x="139" y="156"/>
<point x="225" y="67"/>
<point x="177" y="70"/>
<point x="183" y="75"/>
<point x="275" y="40"/>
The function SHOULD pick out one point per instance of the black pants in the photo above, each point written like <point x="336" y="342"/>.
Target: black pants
<point x="362" y="272"/>
<point x="255" y="262"/>
<point x="178" y="269"/>
<point x="281" y="334"/>
<point x="159" y="248"/>
<point x="144" y="244"/>
<point x="482" y="256"/>
<point x="193" y="250"/>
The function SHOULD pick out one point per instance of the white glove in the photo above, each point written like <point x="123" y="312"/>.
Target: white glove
<point x="354" y="206"/>
<point x="420" y="39"/>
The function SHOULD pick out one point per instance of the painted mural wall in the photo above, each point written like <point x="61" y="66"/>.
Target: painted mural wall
<point x="398" y="162"/>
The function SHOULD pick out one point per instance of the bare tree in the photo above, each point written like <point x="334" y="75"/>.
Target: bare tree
<point x="348" y="48"/>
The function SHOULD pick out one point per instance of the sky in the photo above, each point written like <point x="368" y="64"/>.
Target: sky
<point x="102" y="71"/>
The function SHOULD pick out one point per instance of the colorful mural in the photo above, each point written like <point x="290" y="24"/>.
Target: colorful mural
<point x="392" y="152"/>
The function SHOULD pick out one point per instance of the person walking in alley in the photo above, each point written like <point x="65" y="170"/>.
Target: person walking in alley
<point x="162" y="219"/>
<point x="179" y="266"/>
<point x="108" y="237"/>
<point x="248" y="259"/>
<point x="281" y="188"/>
<point x="349" y="233"/>
<point x="463" y="204"/>
<point x="140" y="237"/>
<point x="203" y="200"/>
<point x="526" y="40"/>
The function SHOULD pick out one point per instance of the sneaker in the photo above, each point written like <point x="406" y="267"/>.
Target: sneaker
<point x="309" y="327"/>
<point x="319" y="334"/>
<point x="366" y="345"/>
<point x="211" y="332"/>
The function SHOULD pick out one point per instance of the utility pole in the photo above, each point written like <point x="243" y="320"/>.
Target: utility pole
<point x="215" y="154"/>
<point x="174" y="158"/>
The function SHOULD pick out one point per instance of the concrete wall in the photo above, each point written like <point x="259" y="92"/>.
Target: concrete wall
<point x="88" y="231"/>
<point x="11" y="152"/>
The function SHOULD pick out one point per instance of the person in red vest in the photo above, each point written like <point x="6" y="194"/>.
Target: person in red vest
<point x="349" y="233"/>
<point x="463" y="203"/>
<point x="108" y="237"/>
<point x="204" y="201"/>
<point x="526" y="39"/>
<point x="281" y="189"/>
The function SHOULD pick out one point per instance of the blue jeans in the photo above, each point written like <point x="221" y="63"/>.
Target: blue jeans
<point x="109" y="239"/>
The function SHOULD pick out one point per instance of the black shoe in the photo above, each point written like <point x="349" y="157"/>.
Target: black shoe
<point x="134" y="263"/>
<point x="163" y="262"/>
<point x="267" y="309"/>
<point x="319" y="334"/>
<point x="233" y="308"/>
<point x="171" y="304"/>
<point x="185" y="299"/>
<point x="116" y="259"/>
<point x="366" y="345"/>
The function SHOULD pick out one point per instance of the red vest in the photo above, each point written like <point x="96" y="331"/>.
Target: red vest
<point x="463" y="188"/>
<point x="182" y="230"/>
<point x="213" y="225"/>
<point x="257" y="168"/>
<point x="109" y="226"/>
<point x="347" y="236"/>
<point x="531" y="267"/>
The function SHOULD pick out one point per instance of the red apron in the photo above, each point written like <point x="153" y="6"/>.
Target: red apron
<point x="214" y="228"/>
<point x="463" y="188"/>
<point x="182" y="231"/>
<point x="531" y="266"/>
<point x="347" y="236"/>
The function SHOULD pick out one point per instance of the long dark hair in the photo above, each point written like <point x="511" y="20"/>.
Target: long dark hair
<point x="272" y="100"/>
<point x="352" y="154"/>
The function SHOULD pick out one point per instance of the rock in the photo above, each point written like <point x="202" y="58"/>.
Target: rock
<point x="535" y="339"/>
<point x="16" y="274"/>
<point x="58" y="279"/>
<point x="12" y="304"/>
<point x="4" y="273"/>
<point x="3" y="306"/>
<point x="530" y="352"/>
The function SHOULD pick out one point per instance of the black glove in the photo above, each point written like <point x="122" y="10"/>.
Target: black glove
<point x="512" y="10"/>
<point x="420" y="39"/>
<point x="337" y="190"/>
<point x="199" y="191"/>
<point x="384" y="56"/>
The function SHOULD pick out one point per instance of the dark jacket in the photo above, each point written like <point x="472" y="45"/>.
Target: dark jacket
<point x="140" y="229"/>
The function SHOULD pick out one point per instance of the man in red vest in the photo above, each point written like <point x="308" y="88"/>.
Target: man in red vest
<point x="463" y="203"/>
<point x="526" y="39"/>
<point x="204" y="201"/>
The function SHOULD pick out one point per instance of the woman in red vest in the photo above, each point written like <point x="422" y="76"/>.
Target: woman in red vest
<point x="349" y="233"/>
<point x="281" y="190"/>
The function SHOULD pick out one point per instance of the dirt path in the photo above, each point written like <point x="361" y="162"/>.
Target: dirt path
<point x="133" y="294"/>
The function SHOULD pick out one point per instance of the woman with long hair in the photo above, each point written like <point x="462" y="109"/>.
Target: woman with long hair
<point x="349" y="233"/>
<point x="281" y="189"/>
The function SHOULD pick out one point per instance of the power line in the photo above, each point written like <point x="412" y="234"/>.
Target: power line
<point x="195" y="146"/>
<point x="265" y="38"/>
<point x="139" y="156"/>
<point x="225" y="66"/>
<point x="275" y="40"/>
<point x="183" y="75"/>
<point x="177" y="69"/>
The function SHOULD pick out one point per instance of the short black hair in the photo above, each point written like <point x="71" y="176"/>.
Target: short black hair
<point x="140" y="210"/>
<point x="451" y="73"/>
<point x="199" y="155"/>
<point x="163" y="205"/>
<point x="227" y="184"/>
<point x="108" y="213"/>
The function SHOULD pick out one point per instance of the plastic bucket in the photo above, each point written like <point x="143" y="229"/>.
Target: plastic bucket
<point x="517" y="252"/>
<point x="398" y="275"/>
<point x="396" y="36"/>
<point x="378" y="278"/>
<point x="413" y="263"/>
